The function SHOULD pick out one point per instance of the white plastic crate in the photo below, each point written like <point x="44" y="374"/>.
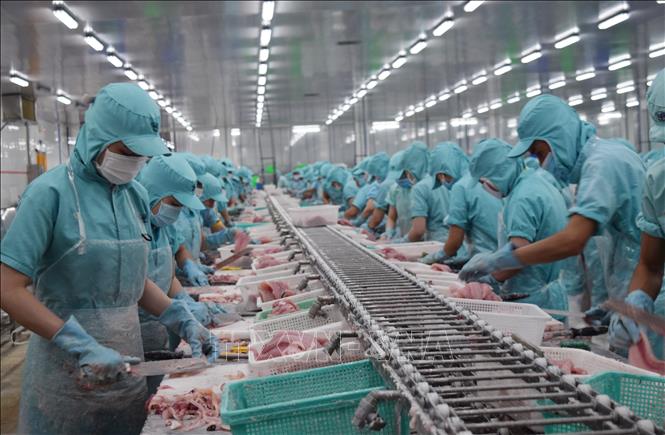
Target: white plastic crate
<point x="350" y="350"/>
<point x="251" y="283"/>
<point x="282" y="256"/>
<point x="309" y="216"/>
<point x="300" y="321"/>
<point x="525" y="320"/>
<point x="591" y="362"/>
<point x="228" y="250"/>
<point x="290" y="266"/>
<point x="296" y="298"/>
<point x="413" y="250"/>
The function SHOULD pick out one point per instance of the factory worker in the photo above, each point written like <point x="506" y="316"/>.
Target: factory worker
<point x="245" y="178"/>
<point x="212" y="193"/>
<point x="609" y="178"/>
<point x="210" y="218"/>
<point x="360" y="177"/>
<point x="377" y="170"/>
<point x="646" y="290"/>
<point x="413" y="169"/>
<point x="80" y="238"/>
<point x="472" y="214"/>
<point x="222" y="206"/>
<point x="340" y="188"/>
<point x="325" y="170"/>
<point x="375" y="222"/>
<point x="297" y="183"/>
<point x="533" y="210"/>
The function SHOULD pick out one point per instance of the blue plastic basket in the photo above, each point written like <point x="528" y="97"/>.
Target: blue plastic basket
<point x="320" y="401"/>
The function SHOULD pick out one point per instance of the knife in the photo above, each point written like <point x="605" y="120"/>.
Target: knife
<point x="652" y="321"/>
<point x="164" y="367"/>
<point x="233" y="258"/>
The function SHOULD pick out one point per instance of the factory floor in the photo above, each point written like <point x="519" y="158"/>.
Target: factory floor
<point x="11" y="364"/>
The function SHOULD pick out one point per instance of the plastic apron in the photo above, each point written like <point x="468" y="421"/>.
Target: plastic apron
<point x="52" y="402"/>
<point x="403" y="207"/>
<point x="189" y="227"/>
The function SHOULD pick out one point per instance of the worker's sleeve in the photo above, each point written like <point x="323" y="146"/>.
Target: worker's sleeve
<point x="598" y="192"/>
<point x="31" y="232"/>
<point x="420" y="200"/>
<point x="391" y="197"/>
<point x="373" y="191"/>
<point x="458" y="208"/>
<point x="350" y="190"/>
<point x="651" y="219"/>
<point x="360" y="199"/>
<point x="522" y="218"/>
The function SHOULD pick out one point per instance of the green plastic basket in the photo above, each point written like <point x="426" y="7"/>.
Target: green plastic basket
<point x="320" y="401"/>
<point x="303" y="305"/>
<point x="643" y="394"/>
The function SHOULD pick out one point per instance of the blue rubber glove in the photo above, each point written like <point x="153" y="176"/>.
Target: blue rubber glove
<point x="179" y="320"/>
<point x="434" y="257"/>
<point x="224" y="237"/>
<point x="390" y="233"/>
<point x="255" y="242"/>
<point x="623" y="332"/>
<point x="99" y="364"/>
<point x="198" y="309"/>
<point x="403" y="239"/>
<point x="357" y="222"/>
<point x="205" y="269"/>
<point x="598" y="316"/>
<point x="486" y="263"/>
<point x="194" y="275"/>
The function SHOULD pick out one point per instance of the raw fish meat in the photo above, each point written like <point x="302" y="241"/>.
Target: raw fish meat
<point x="441" y="268"/>
<point x="269" y="250"/>
<point x="640" y="355"/>
<point x="242" y="240"/>
<point x="474" y="290"/>
<point x="369" y="235"/>
<point x="228" y="298"/>
<point x="288" y="343"/>
<point x="392" y="254"/>
<point x="283" y="307"/>
<point x="267" y="261"/>
<point x="185" y="412"/>
<point x="345" y="222"/>
<point x="315" y="221"/>
<point x="265" y="239"/>
<point x="567" y="367"/>
<point x="271" y="290"/>
<point x="222" y="279"/>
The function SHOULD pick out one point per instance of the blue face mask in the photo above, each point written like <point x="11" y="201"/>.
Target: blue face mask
<point x="166" y="215"/>
<point x="405" y="183"/>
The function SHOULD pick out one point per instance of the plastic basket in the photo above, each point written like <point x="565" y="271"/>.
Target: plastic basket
<point x="296" y="298"/>
<point x="267" y="314"/>
<point x="308" y="216"/>
<point x="643" y="394"/>
<point x="296" y="322"/>
<point x="525" y="320"/>
<point x="350" y="350"/>
<point x="251" y="284"/>
<point x="414" y="250"/>
<point x="320" y="401"/>
<point x="591" y="362"/>
<point x="290" y="266"/>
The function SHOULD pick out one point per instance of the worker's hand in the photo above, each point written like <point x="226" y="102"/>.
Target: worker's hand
<point x="224" y="237"/>
<point x="623" y="331"/>
<point x="434" y="257"/>
<point x="597" y="316"/>
<point x="99" y="364"/>
<point x="486" y="263"/>
<point x="388" y="234"/>
<point x="403" y="239"/>
<point x="194" y="275"/>
<point x="179" y="320"/>
<point x="206" y="269"/>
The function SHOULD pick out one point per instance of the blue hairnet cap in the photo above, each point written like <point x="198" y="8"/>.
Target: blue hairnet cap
<point x="212" y="188"/>
<point x="490" y="160"/>
<point x="394" y="165"/>
<point x="378" y="165"/>
<point x="415" y="160"/>
<point x="656" y="107"/>
<point x="212" y="166"/>
<point x="125" y="112"/>
<point x="171" y="175"/>
<point x="195" y="163"/>
<point x="448" y="158"/>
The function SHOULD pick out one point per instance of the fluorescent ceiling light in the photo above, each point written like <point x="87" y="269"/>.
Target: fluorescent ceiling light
<point x="385" y="125"/>
<point x="483" y="109"/>
<point x="260" y="104"/>
<point x="328" y="122"/>
<point x="153" y="94"/>
<point x="598" y="94"/>
<point x="400" y="60"/>
<point x="468" y="114"/>
<point x="310" y="128"/>
<point x="62" y="98"/>
<point x="442" y="126"/>
<point x="143" y="84"/>
<point x="62" y="12"/>
<point x="502" y="68"/>
<point x="216" y="133"/>
<point x="608" y="106"/>
<point x="353" y="100"/>
<point x="533" y="91"/>
<point x="261" y="90"/>
<point x="575" y="100"/>
<point x="496" y="104"/>
<point x="384" y="73"/>
<point x="460" y="87"/>
<point x="162" y="102"/>
<point x="113" y="58"/>
<point x="267" y="10"/>
<point x="263" y="68"/>
<point x="371" y="84"/>
<point x="361" y="93"/>
<point x="430" y="103"/>
<point x="585" y="75"/>
<point x="531" y="54"/>
<point x="264" y="54"/>
<point x="443" y="96"/>
<point x="262" y="80"/>
<point x="625" y="87"/>
<point x="409" y="113"/>
<point x="619" y="62"/>
<point x="650" y="79"/>
<point x="418" y="46"/>
<point x="92" y="40"/>
<point x="512" y="123"/>
<point x="657" y="50"/>
<point x="479" y="78"/>
<point x="260" y="98"/>
<point x="446" y="24"/>
<point x="567" y="38"/>
<point x="18" y="79"/>
<point x="346" y="107"/>
<point x="419" y="108"/>
<point x="514" y="98"/>
<point x="557" y="83"/>
<point x="169" y="109"/>
<point x="265" y="35"/>
<point x="472" y="5"/>
<point x="614" y="19"/>
<point x="632" y="102"/>
<point x="130" y="73"/>
<point x="235" y="132"/>
<point x="399" y="117"/>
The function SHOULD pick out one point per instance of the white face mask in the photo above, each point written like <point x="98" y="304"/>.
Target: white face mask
<point x="119" y="169"/>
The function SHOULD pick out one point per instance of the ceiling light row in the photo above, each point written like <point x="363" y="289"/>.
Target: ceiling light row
<point x="72" y="22"/>
<point x="22" y="80"/>
<point x="265" y="35"/>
